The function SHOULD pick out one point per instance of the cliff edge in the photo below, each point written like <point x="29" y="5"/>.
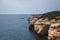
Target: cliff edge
<point x="42" y="24"/>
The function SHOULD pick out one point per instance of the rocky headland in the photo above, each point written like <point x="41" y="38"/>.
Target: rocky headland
<point x="47" y="24"/>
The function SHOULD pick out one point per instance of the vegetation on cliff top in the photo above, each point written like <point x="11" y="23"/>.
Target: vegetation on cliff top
<point x="51" y="15"/>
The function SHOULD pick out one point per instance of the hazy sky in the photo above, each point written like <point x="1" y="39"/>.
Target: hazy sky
<point x="28" y="6"/>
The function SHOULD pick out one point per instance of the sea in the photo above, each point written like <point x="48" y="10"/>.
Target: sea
<point x="16" y="27"/>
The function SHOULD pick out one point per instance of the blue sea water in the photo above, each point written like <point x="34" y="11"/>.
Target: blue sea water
<point x="13" y="27"/>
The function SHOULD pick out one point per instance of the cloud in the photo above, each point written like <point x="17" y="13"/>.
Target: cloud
<point x="11" y="3"/>
<point x="28" y="6"/>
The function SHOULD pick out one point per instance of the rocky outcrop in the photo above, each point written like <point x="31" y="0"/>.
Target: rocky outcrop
<point x="43" y="25"/>
<point x="32" y="20"/>
<point x="54" y="31"/>
<point x="39" y="26"/>
<point x="31" y="23"/>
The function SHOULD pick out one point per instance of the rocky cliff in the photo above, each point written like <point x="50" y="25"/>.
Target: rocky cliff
<point x="41" y="24"/>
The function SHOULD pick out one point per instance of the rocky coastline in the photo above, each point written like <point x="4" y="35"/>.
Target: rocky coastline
<point x="46" y="25"/>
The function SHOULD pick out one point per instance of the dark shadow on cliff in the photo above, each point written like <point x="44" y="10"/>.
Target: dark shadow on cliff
<point x="31" y="28"/>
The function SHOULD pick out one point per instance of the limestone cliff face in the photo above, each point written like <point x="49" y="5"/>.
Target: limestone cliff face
<point x="54" y="31"/>
<point x="31" y="23"/>
<point x="41" y="24"/>
<point x="41" y="27"/>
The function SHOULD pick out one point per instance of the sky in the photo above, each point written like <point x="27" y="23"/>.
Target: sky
<point x="28" y="6"/>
